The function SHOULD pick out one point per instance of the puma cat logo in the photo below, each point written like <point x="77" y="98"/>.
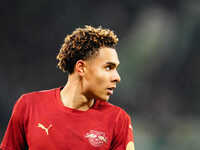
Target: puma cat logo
<point x="44" y="128"/>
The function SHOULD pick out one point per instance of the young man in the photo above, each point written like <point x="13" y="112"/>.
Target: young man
<point x="77" y="116"/>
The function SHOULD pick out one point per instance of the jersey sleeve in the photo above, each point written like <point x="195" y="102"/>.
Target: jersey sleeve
<point x="14" y="138"/>
<point x="123" y="133"/>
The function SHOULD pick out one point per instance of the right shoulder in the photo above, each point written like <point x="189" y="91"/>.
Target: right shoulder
<point x="36" y="97"/>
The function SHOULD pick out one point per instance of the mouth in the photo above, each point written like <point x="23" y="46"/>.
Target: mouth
<point x="110" y="90"/>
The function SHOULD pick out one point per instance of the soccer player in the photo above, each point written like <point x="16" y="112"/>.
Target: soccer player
<point x="77" y="116"/>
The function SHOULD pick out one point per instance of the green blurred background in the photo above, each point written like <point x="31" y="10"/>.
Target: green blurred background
<point x="158" y="50"/>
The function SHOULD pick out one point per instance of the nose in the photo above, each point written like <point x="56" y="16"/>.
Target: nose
<point x="116" y="77"/>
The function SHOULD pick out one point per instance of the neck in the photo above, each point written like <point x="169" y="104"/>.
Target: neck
<point x="72" y="96"/>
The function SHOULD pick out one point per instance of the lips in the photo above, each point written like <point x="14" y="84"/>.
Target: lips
<point x="110" y="90"/>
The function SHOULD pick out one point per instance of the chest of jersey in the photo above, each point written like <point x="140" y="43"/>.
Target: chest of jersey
<point x="55" y="129"/>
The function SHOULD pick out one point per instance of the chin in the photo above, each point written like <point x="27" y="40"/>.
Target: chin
<point x="105" y="98"/>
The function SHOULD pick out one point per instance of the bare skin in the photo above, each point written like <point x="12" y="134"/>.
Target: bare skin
<point x="94" y="78"/>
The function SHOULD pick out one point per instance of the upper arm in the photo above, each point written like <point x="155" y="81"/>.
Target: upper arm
<point x="123" y="133"/>
<point x="14" y="137"/>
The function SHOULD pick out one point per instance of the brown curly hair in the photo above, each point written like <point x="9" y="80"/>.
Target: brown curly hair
<point x="82" y="44"/>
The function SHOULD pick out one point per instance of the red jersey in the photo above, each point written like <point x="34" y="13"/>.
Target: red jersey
<point x="40" y="121"/>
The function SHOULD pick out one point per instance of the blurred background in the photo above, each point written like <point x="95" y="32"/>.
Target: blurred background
<point x="158" y="49"/>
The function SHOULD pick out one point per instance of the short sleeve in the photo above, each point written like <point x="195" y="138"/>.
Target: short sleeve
<point x="14" y="138"/>
<point x="123" y="132"/>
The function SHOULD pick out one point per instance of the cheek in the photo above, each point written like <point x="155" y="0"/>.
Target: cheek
<point x="101" y="77"/>
<point x="98" y="78"/>
<point x="101" y="82"/>
<point x="97" y="81"/>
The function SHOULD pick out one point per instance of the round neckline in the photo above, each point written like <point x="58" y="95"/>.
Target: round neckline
<point x="71" y="110"/>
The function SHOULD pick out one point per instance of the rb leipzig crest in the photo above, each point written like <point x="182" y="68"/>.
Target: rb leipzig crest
<point x="96" y="138"/>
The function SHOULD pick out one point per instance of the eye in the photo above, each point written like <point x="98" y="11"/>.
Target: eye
<point x="108" y="68"/>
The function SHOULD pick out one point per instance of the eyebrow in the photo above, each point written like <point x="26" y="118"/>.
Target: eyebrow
<point x="112" y="64"/>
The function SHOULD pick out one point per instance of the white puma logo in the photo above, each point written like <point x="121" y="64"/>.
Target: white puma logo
<point x="44" y="128"/>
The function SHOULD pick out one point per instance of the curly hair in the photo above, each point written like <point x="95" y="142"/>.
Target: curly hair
<point x="82" y="44"/>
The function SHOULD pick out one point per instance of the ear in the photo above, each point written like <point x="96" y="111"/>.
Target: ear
<point x="80" y="67"/>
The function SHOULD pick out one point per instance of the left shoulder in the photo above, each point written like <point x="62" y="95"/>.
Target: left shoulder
<point x="118" y="111"/>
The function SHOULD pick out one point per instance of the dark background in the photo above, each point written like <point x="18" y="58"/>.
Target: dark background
<point x="158" y="50"/>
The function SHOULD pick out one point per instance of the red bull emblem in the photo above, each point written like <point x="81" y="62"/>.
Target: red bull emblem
<point x="96" y="138"/>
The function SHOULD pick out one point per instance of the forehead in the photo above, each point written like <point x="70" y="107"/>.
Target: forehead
<point x="106" y="54"/>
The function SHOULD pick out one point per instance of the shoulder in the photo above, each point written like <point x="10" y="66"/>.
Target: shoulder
<point x="117" y="112"/>
<point x="39" y="93"/>
<point x="35" y="99"/>
<point x="117" y="109"/>
<point x="121" y="114"/>
<point x="36" y="96"/>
